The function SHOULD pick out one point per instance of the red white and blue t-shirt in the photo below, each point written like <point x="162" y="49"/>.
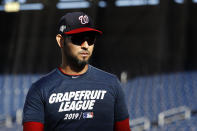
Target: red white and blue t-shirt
<point x="93" y="101"/>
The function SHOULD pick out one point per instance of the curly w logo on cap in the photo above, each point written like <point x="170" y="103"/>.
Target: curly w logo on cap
<point x="84" y="19"/>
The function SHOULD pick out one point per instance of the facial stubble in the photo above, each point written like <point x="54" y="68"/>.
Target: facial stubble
<point x="73" y="60"/>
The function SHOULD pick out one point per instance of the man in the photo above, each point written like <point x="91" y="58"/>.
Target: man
<point x="76" y="96"/>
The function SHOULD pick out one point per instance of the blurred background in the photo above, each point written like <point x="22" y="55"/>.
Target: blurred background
<point x="149" y="44"/>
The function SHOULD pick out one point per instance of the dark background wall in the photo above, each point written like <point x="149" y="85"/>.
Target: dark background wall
<point x="141" y="40"/>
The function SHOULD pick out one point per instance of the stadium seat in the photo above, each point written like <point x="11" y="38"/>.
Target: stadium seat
<point x="150" y="95"/>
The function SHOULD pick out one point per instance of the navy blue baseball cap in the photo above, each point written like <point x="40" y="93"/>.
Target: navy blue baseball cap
<point x="76" y="22"/>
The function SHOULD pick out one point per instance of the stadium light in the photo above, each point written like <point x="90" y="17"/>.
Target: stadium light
<point x="194" y="1"/>
<point x="33" y="6"/>
<point x="102" y="4"/>
<point x="12" y="7"/>
<point x="179" y="1"/>
<point x="122" y="3"/>
<point x="73" y="5"/>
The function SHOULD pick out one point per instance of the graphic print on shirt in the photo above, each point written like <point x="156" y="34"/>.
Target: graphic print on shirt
<point x="77" y="101"/>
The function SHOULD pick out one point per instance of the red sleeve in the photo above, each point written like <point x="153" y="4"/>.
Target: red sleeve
<point x="33" y="126"/>
<point x="122" y="125"/>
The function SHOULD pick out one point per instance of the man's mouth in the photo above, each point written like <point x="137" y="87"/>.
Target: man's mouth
<point x="84" y="54"/>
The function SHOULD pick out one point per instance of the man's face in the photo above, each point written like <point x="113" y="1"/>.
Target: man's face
<point x="79" y="47"/>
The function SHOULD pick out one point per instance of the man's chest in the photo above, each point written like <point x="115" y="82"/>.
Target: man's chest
<point x="80" y="101"/>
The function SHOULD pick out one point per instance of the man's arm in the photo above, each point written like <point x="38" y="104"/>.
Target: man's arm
<point x="33" y="126"/>
<point x="121" y="111"/>
<point x="33" y="112"/>
<point x="122" y="125"/>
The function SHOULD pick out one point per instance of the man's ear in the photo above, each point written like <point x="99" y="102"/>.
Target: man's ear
<point x="60" y="40"/>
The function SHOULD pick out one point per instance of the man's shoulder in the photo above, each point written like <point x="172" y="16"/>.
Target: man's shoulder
<point x="101" y="74"/>
<point x="44" y="84"/>
<point x="47" y="79"/>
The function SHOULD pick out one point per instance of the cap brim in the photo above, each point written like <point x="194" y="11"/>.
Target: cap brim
<point x="84" y="29"/>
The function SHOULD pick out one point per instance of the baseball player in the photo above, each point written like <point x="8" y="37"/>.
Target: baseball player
<point x="76" y="96"/>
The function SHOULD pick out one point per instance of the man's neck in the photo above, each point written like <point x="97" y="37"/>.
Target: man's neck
<point x="67" y="69"/>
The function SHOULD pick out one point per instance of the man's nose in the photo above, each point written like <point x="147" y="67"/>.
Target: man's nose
<point x="85" y="45"/>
